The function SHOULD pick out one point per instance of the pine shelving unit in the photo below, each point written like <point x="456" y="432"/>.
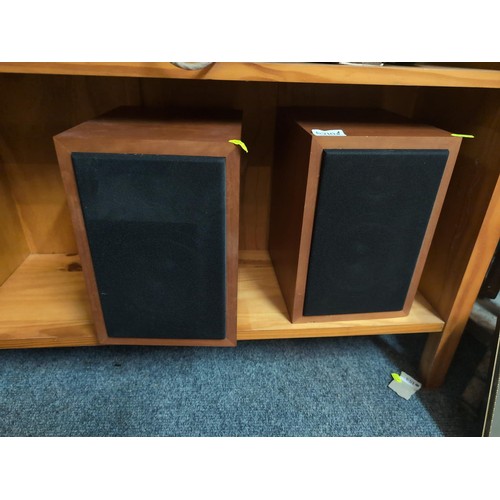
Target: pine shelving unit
<point x="43" y="299"/>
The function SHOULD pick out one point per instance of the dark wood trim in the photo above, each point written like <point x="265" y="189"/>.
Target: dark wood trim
<point x="74" y="205"/>
<point x="307" y="230"/>
<point x="288" y="191"/>
<point x="232" y="240"/>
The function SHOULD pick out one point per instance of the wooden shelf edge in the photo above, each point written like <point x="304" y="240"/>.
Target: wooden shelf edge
<point x="52" y="302"/>
<point x="57" y="336"/>
<point x="420" y="75"/>
<point x="346" y="331"/>
<point x="262" y="312"/>
<point x="44" y="304"/>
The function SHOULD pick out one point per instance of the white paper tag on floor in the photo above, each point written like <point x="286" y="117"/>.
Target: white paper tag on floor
<point x="404" y="385"/>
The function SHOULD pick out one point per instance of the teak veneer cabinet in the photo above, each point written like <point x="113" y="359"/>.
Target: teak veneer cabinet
<point x="43" y="298"/>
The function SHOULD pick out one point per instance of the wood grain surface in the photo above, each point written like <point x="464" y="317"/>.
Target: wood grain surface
<point x="462" y="241"/>
<point x="262" y="313"/>
<point x="421" y="75"/>
<point x="44" y="303"/>
<point x="38" y="101"/>
<point x="33" y="110"/>
<point x="13" y="246"/>
<point x="440" y="350"/>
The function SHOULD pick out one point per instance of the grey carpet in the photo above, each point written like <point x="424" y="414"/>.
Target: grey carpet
<point x="306" y="387"/>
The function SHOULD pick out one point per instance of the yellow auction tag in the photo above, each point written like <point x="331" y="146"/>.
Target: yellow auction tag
<point x="396" y="377"/>
<point x="239" y="143"/>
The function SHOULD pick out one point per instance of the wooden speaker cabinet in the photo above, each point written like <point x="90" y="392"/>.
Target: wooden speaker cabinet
<point x="154" y="201"/>
<point x="355" y="200"/>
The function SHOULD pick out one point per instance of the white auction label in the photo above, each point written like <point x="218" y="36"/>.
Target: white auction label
<point x="404" y="385"/>
<point x="329" y="133"/>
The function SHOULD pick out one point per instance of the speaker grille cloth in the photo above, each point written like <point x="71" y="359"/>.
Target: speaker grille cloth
<point x="156" y="231"/>
<point x="372" y="212"/>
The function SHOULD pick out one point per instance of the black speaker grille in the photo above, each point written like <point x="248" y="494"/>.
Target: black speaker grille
<point x="156" y="231"/>
<point x="372" y="212"/>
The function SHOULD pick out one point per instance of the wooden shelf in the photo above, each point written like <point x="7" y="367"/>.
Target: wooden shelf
<point x="43" y="306"/>
<point x="262" y="312"/>
<point x="44" y="303"/>
<point x="420" y="75"/>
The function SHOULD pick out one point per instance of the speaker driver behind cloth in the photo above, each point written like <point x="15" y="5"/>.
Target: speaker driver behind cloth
<point x="156" y="232"/>
<point x="372" y="211"/>
<point x="356" y="252"/>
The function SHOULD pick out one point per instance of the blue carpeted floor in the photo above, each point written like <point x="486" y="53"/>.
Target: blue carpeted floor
<point x="313" y="387"/>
